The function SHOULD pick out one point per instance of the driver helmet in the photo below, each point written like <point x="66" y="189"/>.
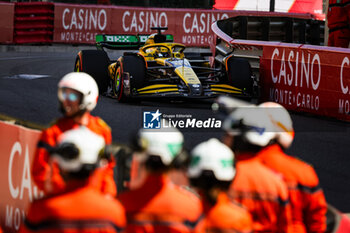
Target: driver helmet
<point x="163" y="52"/>
<point x="83" y="83"/>
<point x="281" y="121"/>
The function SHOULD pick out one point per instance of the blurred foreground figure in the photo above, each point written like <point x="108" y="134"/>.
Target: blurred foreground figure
<point x="211" y="172"/>
<point x="80" y="207"/>
<point x="263" y="192"/>
<point x="77" y="95"/>
<point x="155" y="204"/>
<point x="307" y="199"/>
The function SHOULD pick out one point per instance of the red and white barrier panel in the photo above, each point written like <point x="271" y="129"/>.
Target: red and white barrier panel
<point x="79" y="24"/>
<point x="307" y="78"/>
<point x="296" y="6"/>
<point x="17" y="145"/>
<point x="303" y="78"/>
<point x="7" y="13"/>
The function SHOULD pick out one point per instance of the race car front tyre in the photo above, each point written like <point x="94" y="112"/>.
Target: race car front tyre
<point x="95" y="63"/>
<point x="118" y="85"/>
<point x="240" y="74"/>
<point x="136" y="67"/>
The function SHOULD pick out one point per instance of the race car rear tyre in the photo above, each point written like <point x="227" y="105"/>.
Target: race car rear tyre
<point x="240" y="74"/>
<point x="95" y="63"/>
<point x="136" y="67"/>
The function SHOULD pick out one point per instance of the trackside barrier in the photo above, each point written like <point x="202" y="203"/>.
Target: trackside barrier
<point x="311" y="6"/>
<point x="307" y="78"/>
<point x="6" y="22"/>
<point x="339" y="222"/>
<point x="79" y="24"/>
<point x="34" y="22"/>
<point x="303" y="78"/>
<point x="45" y="22"/>
<point x="17" y="145"/>
<point x="276" y="28"/>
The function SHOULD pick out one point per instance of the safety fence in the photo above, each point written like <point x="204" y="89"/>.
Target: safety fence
<point x="45" y="22"/>
<point x="302" y="78"/>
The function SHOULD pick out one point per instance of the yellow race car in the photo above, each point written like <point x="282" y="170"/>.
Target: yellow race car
<point x="161" y="68"/>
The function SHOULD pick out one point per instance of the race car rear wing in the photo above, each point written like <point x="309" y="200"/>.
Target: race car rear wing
<point x="124" y="41"/>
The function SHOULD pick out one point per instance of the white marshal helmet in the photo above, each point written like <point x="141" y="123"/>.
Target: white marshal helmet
<point x="167" y="143"/>
<point x="252" y="123"/>
<point x="78" y="147"/>
<point x="83" y="83"/>
<point x="282" y="122"/>
<point x="212" y="155"/>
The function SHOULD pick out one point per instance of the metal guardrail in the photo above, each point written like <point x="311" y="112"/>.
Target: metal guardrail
<point x="253" y="56"/>
<point x="275" y="28"/>
<point x="20" y="122"/>
<point x="266" y="28"/>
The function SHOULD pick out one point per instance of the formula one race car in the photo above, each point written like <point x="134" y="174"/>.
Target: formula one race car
<point x="160" y="68"/>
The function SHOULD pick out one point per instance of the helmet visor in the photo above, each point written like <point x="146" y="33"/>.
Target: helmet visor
<point x="67" y="94"/>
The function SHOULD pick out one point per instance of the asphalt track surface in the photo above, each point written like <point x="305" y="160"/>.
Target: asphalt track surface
<point x="324" y="143"/>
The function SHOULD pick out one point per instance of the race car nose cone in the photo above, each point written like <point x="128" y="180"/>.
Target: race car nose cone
<point x="195" y="89"/>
